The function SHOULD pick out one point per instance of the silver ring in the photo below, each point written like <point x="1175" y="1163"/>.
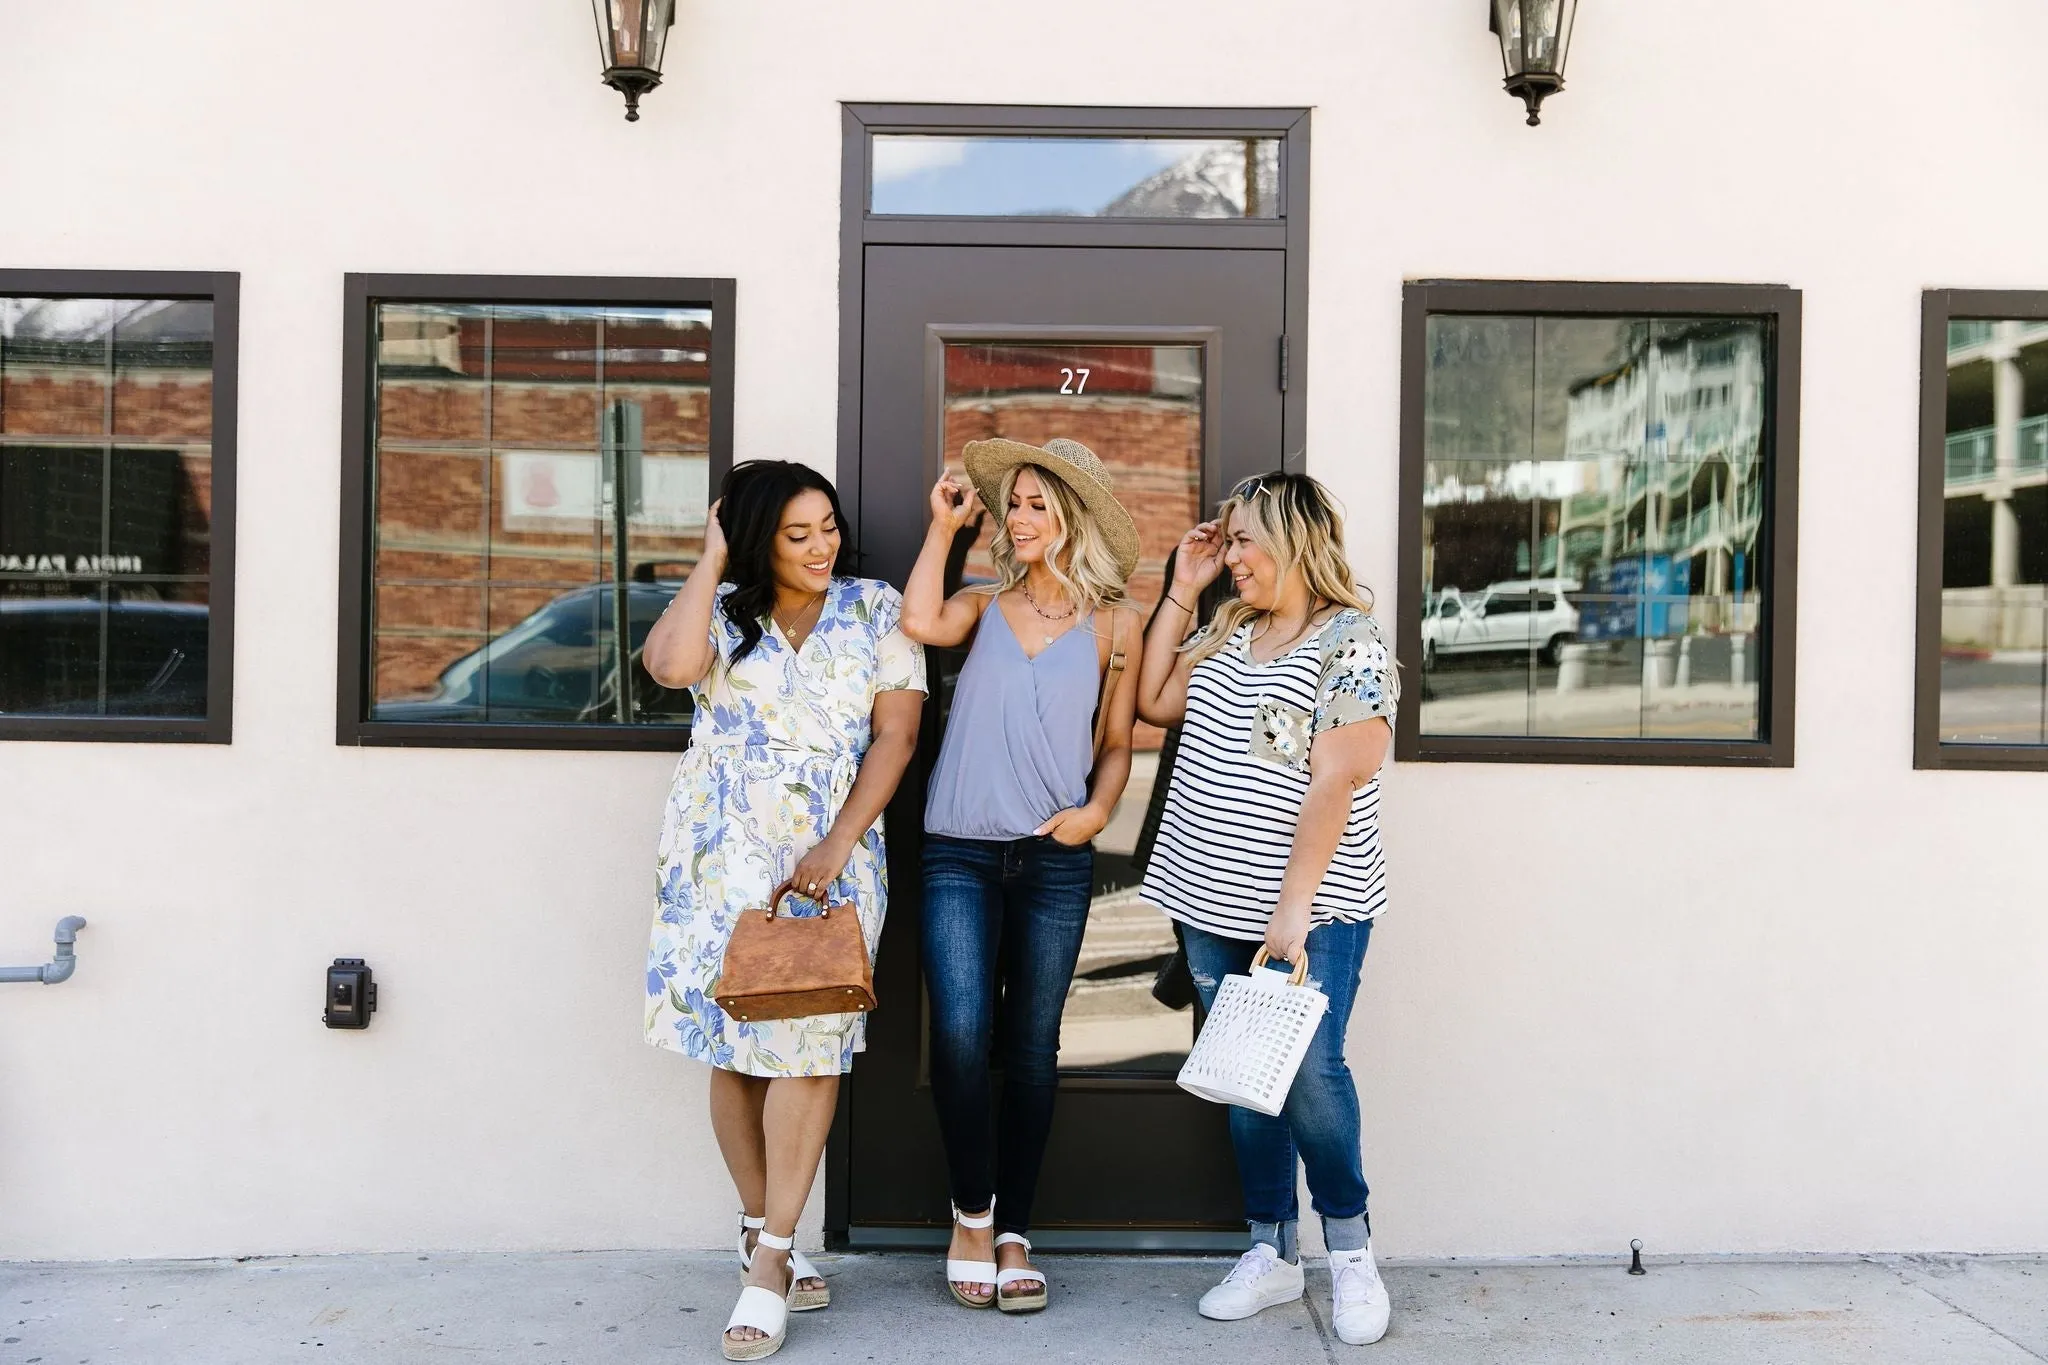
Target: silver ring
<point x="812" y="887"/>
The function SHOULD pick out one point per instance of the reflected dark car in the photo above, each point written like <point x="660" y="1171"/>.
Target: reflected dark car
<point x="558" y="665"/>
<point x="52" y="649"/>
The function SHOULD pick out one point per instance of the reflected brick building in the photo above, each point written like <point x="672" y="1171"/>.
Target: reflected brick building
<point x="500" y="432"/>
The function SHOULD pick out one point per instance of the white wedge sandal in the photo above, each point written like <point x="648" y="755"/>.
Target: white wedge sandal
<point x="800" y="1300"/>
<point x="971" y="1272"/>
<point x="764" y="1310"/>
<point x="1029" y="1301"/>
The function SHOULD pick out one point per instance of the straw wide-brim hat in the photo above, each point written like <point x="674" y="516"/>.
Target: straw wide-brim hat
<point x="989" y="462"/>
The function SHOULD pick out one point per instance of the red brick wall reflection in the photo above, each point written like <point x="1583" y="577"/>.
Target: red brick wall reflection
<point x="159" y="519"/>
<point x="456" y="560"/>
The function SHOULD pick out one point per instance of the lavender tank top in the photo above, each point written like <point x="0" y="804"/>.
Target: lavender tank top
<point x="1020" y="741"/>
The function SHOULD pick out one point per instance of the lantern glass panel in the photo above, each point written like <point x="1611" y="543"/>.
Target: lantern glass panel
<point x="601" y="10"/>
<point x="1507" y="23"/>
<point x="1534" y="35"/>
<point x="655" y="23"/>
<point x="633" y="32"/>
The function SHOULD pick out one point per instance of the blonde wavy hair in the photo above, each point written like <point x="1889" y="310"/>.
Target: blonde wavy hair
<point x="1079" y="556"/>
<point x="1296" y="521"/>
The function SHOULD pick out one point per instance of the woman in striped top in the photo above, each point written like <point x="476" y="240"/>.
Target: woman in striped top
<point x="1270" y="836"/>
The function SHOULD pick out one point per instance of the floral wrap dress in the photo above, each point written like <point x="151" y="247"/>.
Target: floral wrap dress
<point x="774" y="748"/>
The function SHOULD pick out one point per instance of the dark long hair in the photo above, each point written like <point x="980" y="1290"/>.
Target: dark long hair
<point x="750" y="503"/>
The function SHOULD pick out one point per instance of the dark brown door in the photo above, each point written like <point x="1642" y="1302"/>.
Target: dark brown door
<point x="1165" y="362"/>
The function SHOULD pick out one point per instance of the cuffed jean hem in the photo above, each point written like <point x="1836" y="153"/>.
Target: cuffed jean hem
<point x="1319" y="1126"/>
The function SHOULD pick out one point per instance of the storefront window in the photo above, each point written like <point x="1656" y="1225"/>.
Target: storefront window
<point x="539" y="478"/>
<point x="1985" y="535"/>
<point x="1596" y="495"/>
<point x="109" y="539"/>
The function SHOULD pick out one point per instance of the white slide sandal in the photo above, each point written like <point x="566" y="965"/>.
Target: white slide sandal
<point x="1028" y="1301"/>
<point x="801" y="1269"/>
<point x="971" y="1272"/>
<point x="764" y="1310"/>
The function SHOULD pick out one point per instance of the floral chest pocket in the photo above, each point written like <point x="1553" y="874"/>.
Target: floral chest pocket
<point x="1280" y="735"/>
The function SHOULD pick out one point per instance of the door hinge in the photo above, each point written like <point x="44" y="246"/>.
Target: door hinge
<point x="1283" y="362"/>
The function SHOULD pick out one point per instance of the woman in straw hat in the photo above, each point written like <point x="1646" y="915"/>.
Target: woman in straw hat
<point x="1270" y="840"/>
<point x="1036" y="752"/>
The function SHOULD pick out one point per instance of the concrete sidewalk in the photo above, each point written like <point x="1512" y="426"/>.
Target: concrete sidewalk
<point x="643" y="1306"/>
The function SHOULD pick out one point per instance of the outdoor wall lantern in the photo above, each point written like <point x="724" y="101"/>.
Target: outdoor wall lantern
<point x="1533" y="37"/>
<point x="631" y="35"/>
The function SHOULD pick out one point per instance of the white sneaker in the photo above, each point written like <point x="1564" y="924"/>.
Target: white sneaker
<point x="1359" y="1305"/>
<point x="1259" y="1280"/>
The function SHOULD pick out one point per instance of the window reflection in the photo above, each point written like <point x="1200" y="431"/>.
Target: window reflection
<point x="1139" y="408"/>
<point x="106" y="496"/>
<point x="1087" y="177"/>
<point x="1994" y="552"/>
<point x="1594" y="498"/>
<point x="542" y="479"/>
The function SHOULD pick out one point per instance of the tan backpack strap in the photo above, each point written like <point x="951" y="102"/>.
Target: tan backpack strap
<point x="1109" y="679"/>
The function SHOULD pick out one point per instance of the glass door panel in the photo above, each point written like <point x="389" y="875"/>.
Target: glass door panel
<point x="1139" y="408"/>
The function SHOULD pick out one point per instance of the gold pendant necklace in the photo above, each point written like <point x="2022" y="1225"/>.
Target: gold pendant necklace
<point x="789" y="629"/>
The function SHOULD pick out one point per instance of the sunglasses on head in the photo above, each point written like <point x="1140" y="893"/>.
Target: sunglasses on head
<point x="1248" y="489"/>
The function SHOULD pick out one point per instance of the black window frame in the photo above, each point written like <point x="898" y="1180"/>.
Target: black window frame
<point x="1780" y="529"/>
<point x="222" y="289"/>
<point x="1939" y="307"/>
<point x="361" y="295"/>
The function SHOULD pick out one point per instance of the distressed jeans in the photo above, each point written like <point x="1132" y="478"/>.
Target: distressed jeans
<point x="1319" y="1125"/>
<point x="1009" y="914"/>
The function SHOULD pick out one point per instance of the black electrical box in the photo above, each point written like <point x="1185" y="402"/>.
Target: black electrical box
<point x="351" y="994"/>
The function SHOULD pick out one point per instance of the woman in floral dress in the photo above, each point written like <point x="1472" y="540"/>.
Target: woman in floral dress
<point x="807" y="698"/>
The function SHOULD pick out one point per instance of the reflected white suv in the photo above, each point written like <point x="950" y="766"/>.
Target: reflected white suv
<point x="1519" y="614"/>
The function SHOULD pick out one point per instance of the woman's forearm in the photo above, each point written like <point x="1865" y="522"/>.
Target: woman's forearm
<point x="924" y="592"/>
<point x="1324" y="812"/>
<point x="678" y="651"/>
<point x="1112" y="775"/>
<point x="1160" y="701"/>
<point x="881" y="769"/>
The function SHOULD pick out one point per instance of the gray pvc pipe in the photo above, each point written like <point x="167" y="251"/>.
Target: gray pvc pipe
<point x="58" y="968"/>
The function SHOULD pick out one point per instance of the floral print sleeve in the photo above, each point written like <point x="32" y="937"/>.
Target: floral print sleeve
<point x="1358" y="680"/>
<point x="900" y="665"/>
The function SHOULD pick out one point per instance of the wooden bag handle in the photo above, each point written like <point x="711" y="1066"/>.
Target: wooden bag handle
<point x="1297" y="977"/>
<point x="787" y="888"/>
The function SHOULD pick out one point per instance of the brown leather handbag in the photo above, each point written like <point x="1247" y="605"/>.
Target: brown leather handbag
<point x="794" y="966"/>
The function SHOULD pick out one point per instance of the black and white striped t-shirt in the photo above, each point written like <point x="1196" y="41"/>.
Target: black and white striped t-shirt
<point x="1242" y="773"/>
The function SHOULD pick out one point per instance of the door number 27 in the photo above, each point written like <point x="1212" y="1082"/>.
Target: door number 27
<point x="1074" y="381"/>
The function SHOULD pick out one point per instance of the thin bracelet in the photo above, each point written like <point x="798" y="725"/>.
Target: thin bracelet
<point x="1178" y="603"/>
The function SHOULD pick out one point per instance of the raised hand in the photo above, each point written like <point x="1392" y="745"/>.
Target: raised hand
<point x="1200" y="557"/>
<point x="714" y="538"/>
<point x="952" y="506"/>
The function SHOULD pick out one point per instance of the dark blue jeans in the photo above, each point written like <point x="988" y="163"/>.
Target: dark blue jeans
<point x="1008" y="913"/>
<point x="1320" y="1121"/>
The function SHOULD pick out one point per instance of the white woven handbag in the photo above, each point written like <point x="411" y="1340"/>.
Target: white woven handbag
<point x="1255" y="1037"/>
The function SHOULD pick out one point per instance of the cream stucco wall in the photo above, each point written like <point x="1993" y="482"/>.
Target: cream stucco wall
<point x="1728" y="1011"/>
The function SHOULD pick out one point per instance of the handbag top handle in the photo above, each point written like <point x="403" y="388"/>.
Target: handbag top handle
<point x="788" y="889"/>
<point x="1297" y="977"/>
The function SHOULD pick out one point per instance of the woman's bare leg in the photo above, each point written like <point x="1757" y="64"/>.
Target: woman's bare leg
<point x="736" y="1102"/>
<point x="796" y="1117"/>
